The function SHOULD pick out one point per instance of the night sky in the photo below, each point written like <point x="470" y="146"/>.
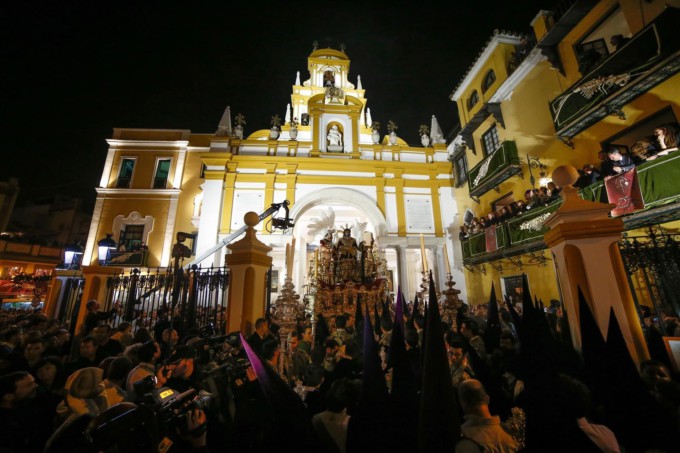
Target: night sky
<point x="72" y="70"/>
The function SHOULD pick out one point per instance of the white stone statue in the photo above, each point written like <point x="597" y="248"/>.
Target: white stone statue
<point x="334" y="137"/>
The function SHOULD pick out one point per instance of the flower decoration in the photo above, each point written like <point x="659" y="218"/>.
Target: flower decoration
<point x="376" y="126"/>
<point x="240" y="120"/>
<point x="276" y="121"/>
<point x="424" y="130"/>
<point x="294" y="123"/>
<point x="392" y="127"/>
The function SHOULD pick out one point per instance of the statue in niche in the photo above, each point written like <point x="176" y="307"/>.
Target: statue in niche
<point x="334" y="137"/>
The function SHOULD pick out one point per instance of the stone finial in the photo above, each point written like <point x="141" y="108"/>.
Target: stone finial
<point x="297" y="79"/>
<point x="287" y="119"/>
<point x="369" y="120"/>
<point x="251" y="219"/>
<point x="224" y="126"/>
<point x="359" y="87"/>
<point x="565" y="175"/>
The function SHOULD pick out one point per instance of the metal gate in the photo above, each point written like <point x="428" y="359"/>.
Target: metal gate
<point x="652" y="263"/>
<point x="69" y="305"/>
<point x="192" y="298"/>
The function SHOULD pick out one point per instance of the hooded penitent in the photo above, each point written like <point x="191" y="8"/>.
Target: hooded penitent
<point x="438" y="420"/>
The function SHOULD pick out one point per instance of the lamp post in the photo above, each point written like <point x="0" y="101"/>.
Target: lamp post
<point x="104" y="248"/>
<point x="534" y="162"/>
<point x="73" y="255"/>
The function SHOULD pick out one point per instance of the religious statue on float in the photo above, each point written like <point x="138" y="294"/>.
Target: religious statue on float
<point x="346" y="251"/>
<point x="326" y="261"/>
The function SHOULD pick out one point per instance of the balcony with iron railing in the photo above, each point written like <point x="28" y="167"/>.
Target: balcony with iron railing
<point x="492" y="171"/>
<point x="659" y="182"/>
<point x="650" y="57"/>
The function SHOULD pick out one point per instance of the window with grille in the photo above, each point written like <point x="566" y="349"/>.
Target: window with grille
<point x="460" y="168"/>
<point x="474" y="99"/>
<point x="490" y="140"/>
<point x="160" y="179"/>
<point x="489" y="79"/>
<point x="131" y="237"/>
<point x="590" y="53"/>
<point x="125" y="173"/>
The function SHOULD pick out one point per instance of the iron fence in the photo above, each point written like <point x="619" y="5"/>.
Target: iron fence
<point x="654" y="261"/>
<point x="70" y="302"/>
<point x="188" y="298"/>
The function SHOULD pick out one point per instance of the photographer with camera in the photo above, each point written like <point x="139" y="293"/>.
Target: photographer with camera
<point x="180" y="373"/>
<point x="148" y="354"/>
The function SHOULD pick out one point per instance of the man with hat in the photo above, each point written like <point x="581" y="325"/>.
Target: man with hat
<point x="180" y="373"/>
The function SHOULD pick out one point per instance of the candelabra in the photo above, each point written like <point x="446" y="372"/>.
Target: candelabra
<point x="449" y="308"/>
<point x="287" y="308"/>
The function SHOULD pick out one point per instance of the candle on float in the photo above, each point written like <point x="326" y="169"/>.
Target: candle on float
<point x="316" y="262"/>
<point x="446" y="260"/>
<point x="288" y="260"/>
<point x="292" y="258"/>
<point x="422" y="252"/>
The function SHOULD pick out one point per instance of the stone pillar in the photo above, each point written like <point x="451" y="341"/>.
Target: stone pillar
<point x="95" y="288"/>
<point x="583" y="240"/>
<point x="56" y="292"/>
<point x="248" y="263"/>
<point x="403" y="272"/>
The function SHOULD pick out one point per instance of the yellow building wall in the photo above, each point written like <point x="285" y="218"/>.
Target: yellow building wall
<point x="542" y="280"/>
<point x="155" y="207"/>
<point x="498" y="61"/>
<point x="191" y="182"/>
<point x="529" y="123"/>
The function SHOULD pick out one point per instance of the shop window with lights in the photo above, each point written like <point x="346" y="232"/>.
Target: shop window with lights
<point x="127" y="166"/>
<point x="160" y="180"/>
<point x="473" y="100"/>
<point x="490" y="140"/>
<point x="489" y="79"/>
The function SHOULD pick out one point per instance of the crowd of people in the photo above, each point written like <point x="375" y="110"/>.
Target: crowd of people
<point x="613" y="161"/>
<point x="73" y="394"/>
<point x="533" y="198"/>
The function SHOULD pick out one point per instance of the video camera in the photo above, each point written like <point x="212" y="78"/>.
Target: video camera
<point x="285" y="222"/>
<point x="229" y="359"/>
<point x="160" y="414"/>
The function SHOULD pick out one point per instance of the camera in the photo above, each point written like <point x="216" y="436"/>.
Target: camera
<point x="171" y="406"/>
<point x="230" y="360"/>
<point x="161" y="414"/>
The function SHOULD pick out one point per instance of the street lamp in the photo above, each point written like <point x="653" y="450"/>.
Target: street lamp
<point x="73" y="255"/>
<point x="105" y="246"/>
<point x="534" y="162"/>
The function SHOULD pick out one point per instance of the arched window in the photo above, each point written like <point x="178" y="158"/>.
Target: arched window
<point x="489" y="79"/>
<point x="474" y="98"/>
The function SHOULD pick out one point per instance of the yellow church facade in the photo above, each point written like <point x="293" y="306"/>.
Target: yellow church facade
<point x="327" y="157"/>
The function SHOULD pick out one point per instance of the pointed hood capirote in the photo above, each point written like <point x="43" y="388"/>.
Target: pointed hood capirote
<point x="287" y="411"/>
<point x="492" y="334"/>
<point x="438" y="419"/>
<point x="404" y="395"/>
<point x="372" y="416"/>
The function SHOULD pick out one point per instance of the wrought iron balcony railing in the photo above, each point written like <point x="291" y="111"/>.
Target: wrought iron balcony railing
<point x="496" y="168"/>
<point x="649" y="58"/>
<point x="659" y="182"/>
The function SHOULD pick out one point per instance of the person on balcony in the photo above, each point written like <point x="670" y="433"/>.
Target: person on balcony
<point x="616" y="163"/>
<point x="618" y="41"/>
<point x="587" y="176"/>
<point x="667" y="137"/>
<point x="645" y="149"/>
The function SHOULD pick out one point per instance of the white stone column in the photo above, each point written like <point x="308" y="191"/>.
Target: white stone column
<point x="209" y="224"/>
